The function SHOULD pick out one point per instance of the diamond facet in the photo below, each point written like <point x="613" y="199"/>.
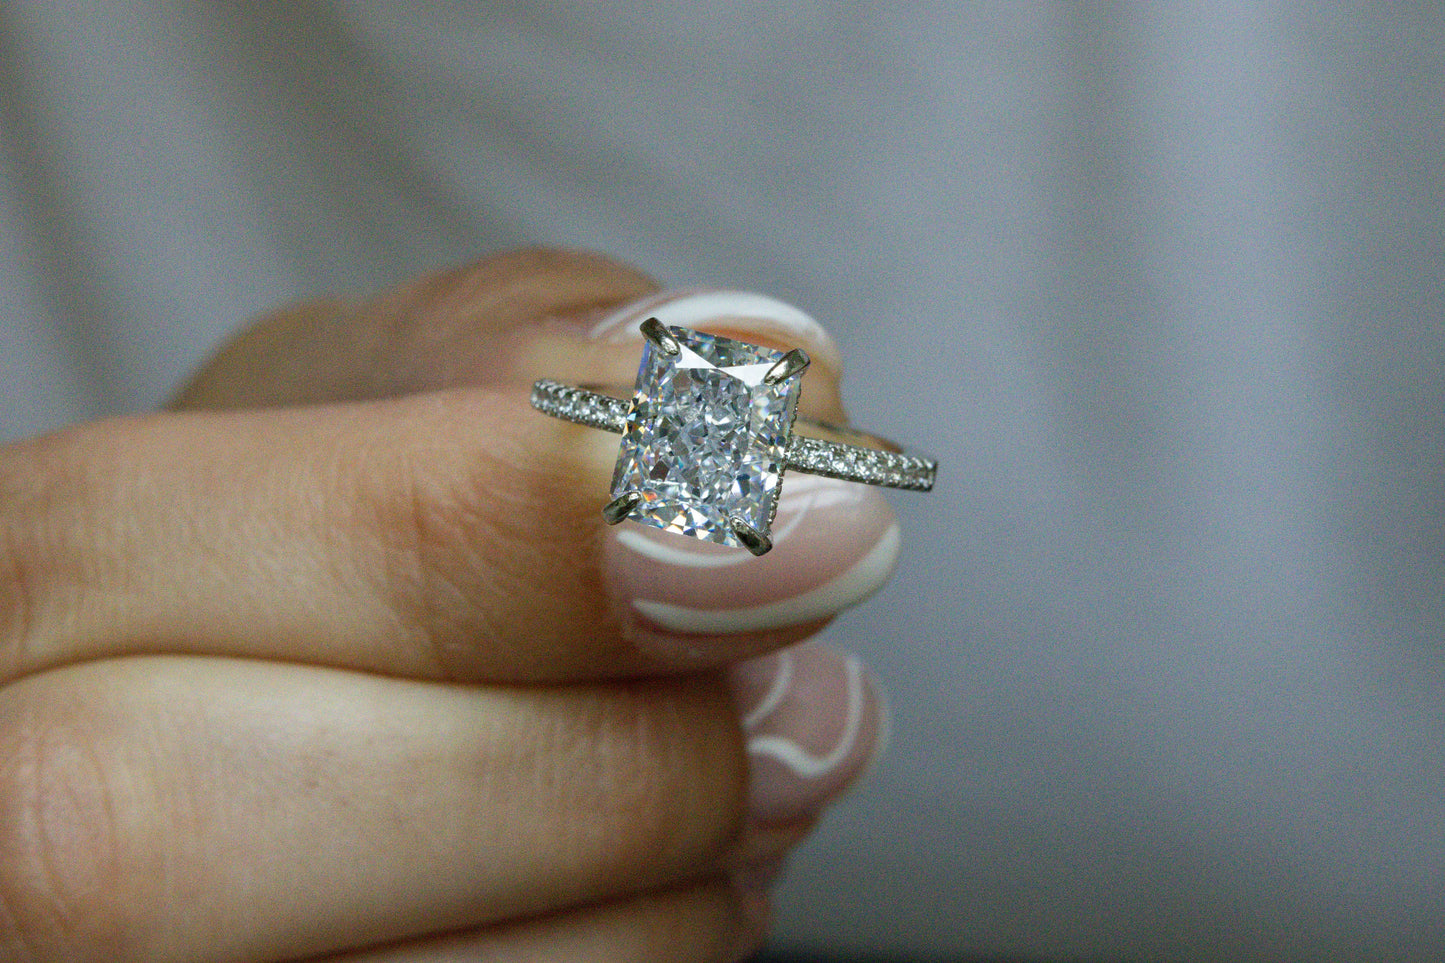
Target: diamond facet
<point x="706" y="437"/>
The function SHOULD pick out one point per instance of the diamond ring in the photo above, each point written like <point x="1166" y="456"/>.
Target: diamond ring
<point x="708" y="433"/>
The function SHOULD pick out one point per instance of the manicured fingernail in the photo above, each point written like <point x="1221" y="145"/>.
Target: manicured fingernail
<point x="814" y="720"/>
<point x="691" y="307"/>
<point x="834" y="544"/>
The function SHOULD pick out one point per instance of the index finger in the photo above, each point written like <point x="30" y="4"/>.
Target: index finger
<point x="453" y="535"/>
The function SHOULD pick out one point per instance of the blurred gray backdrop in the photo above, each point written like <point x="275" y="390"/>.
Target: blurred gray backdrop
<point x="1163" y="285"/>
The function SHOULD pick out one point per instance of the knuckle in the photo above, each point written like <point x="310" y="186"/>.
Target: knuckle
<point x="60" y="871"/>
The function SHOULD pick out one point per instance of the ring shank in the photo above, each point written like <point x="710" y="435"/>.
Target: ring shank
<point x="862" y="457"/>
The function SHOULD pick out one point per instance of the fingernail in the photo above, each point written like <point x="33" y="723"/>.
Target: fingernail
<point x="813" y="719"/>
<point x="690" y="307"/>
<point x="835" y="543"/>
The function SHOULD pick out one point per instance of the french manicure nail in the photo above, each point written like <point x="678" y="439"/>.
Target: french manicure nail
<point x="813" y="719"/>
<point x="835" y="543"/>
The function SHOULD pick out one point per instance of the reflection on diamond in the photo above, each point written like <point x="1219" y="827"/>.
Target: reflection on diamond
<point x="706" y="436"/>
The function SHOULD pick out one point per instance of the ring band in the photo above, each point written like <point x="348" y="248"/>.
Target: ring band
<point x="880" y="463"/>
<point x="708" y="434"/>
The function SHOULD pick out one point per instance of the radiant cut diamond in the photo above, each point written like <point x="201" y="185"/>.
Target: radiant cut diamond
<point x="706" y="436"/>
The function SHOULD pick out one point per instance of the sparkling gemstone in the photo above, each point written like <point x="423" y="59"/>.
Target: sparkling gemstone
<point x="706" y="436"/>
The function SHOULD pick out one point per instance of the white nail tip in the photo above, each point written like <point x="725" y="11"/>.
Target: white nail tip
<point x="847" y="589"/>
<point x="882" y="739"/>
<point x="803" y="763"/>
<point x="782" y="682"/>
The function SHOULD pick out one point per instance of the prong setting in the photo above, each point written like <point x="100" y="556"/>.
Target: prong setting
<point x="620" y="507"/>
<point x="656" y="332"/>
<point x="703" y="437"/>
<point x="793" y="363"/>
<point x="752" y="539"/>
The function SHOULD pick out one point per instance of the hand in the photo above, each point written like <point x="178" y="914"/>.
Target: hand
<point x="337" y="656"/>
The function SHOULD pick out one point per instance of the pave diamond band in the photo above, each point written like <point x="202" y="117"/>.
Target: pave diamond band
<point x="579" y="405"/>
<point x="862" y="462"/>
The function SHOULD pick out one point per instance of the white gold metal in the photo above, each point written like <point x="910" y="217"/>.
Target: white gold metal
<point x="864" y="458"/>
<point x="656" y="332"/>
<point x="620" y="507"/>
<point x="752" y="539"/>
<point x="793" y="363"/>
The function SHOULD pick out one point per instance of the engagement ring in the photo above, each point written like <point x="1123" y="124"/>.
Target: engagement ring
<point x="708" y="434"/>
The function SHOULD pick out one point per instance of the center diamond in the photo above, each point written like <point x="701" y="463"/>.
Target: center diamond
<point x="705" y="437"/>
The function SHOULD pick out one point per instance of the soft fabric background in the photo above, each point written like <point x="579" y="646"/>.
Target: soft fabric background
<point x="1163" y="285"/>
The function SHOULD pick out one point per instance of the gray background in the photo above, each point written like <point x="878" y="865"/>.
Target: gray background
<point x="1160" y="284"/>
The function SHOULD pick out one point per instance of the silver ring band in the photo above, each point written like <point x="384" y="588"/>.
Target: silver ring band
<point x="875" y="461"/>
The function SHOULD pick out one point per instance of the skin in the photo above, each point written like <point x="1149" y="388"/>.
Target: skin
<point x="320" y="662"/>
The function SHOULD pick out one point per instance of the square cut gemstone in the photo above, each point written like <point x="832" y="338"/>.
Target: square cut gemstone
<point x="706" y="436"/>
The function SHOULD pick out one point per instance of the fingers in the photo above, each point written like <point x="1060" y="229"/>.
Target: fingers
<point x="446" y="536"/>
<point x="174" y="808"/>
<point x="710" y="923"/>
<point x="454" y="535"/>
<point x="450" y="535"/>
<point x="466" y="326"/>
<point x="178" y="809"/>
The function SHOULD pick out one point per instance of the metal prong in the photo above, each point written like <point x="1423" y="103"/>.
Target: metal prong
<point x="621" y="506"/>
<point x="754" y="540"/>
<point x="792" y="363"/>
<point x="656" y="332"/>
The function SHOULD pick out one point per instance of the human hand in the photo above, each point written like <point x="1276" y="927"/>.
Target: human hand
<point x="337" y="657"/>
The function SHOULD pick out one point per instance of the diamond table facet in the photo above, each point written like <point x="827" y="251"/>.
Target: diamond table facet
<point x="706" y="437"/>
